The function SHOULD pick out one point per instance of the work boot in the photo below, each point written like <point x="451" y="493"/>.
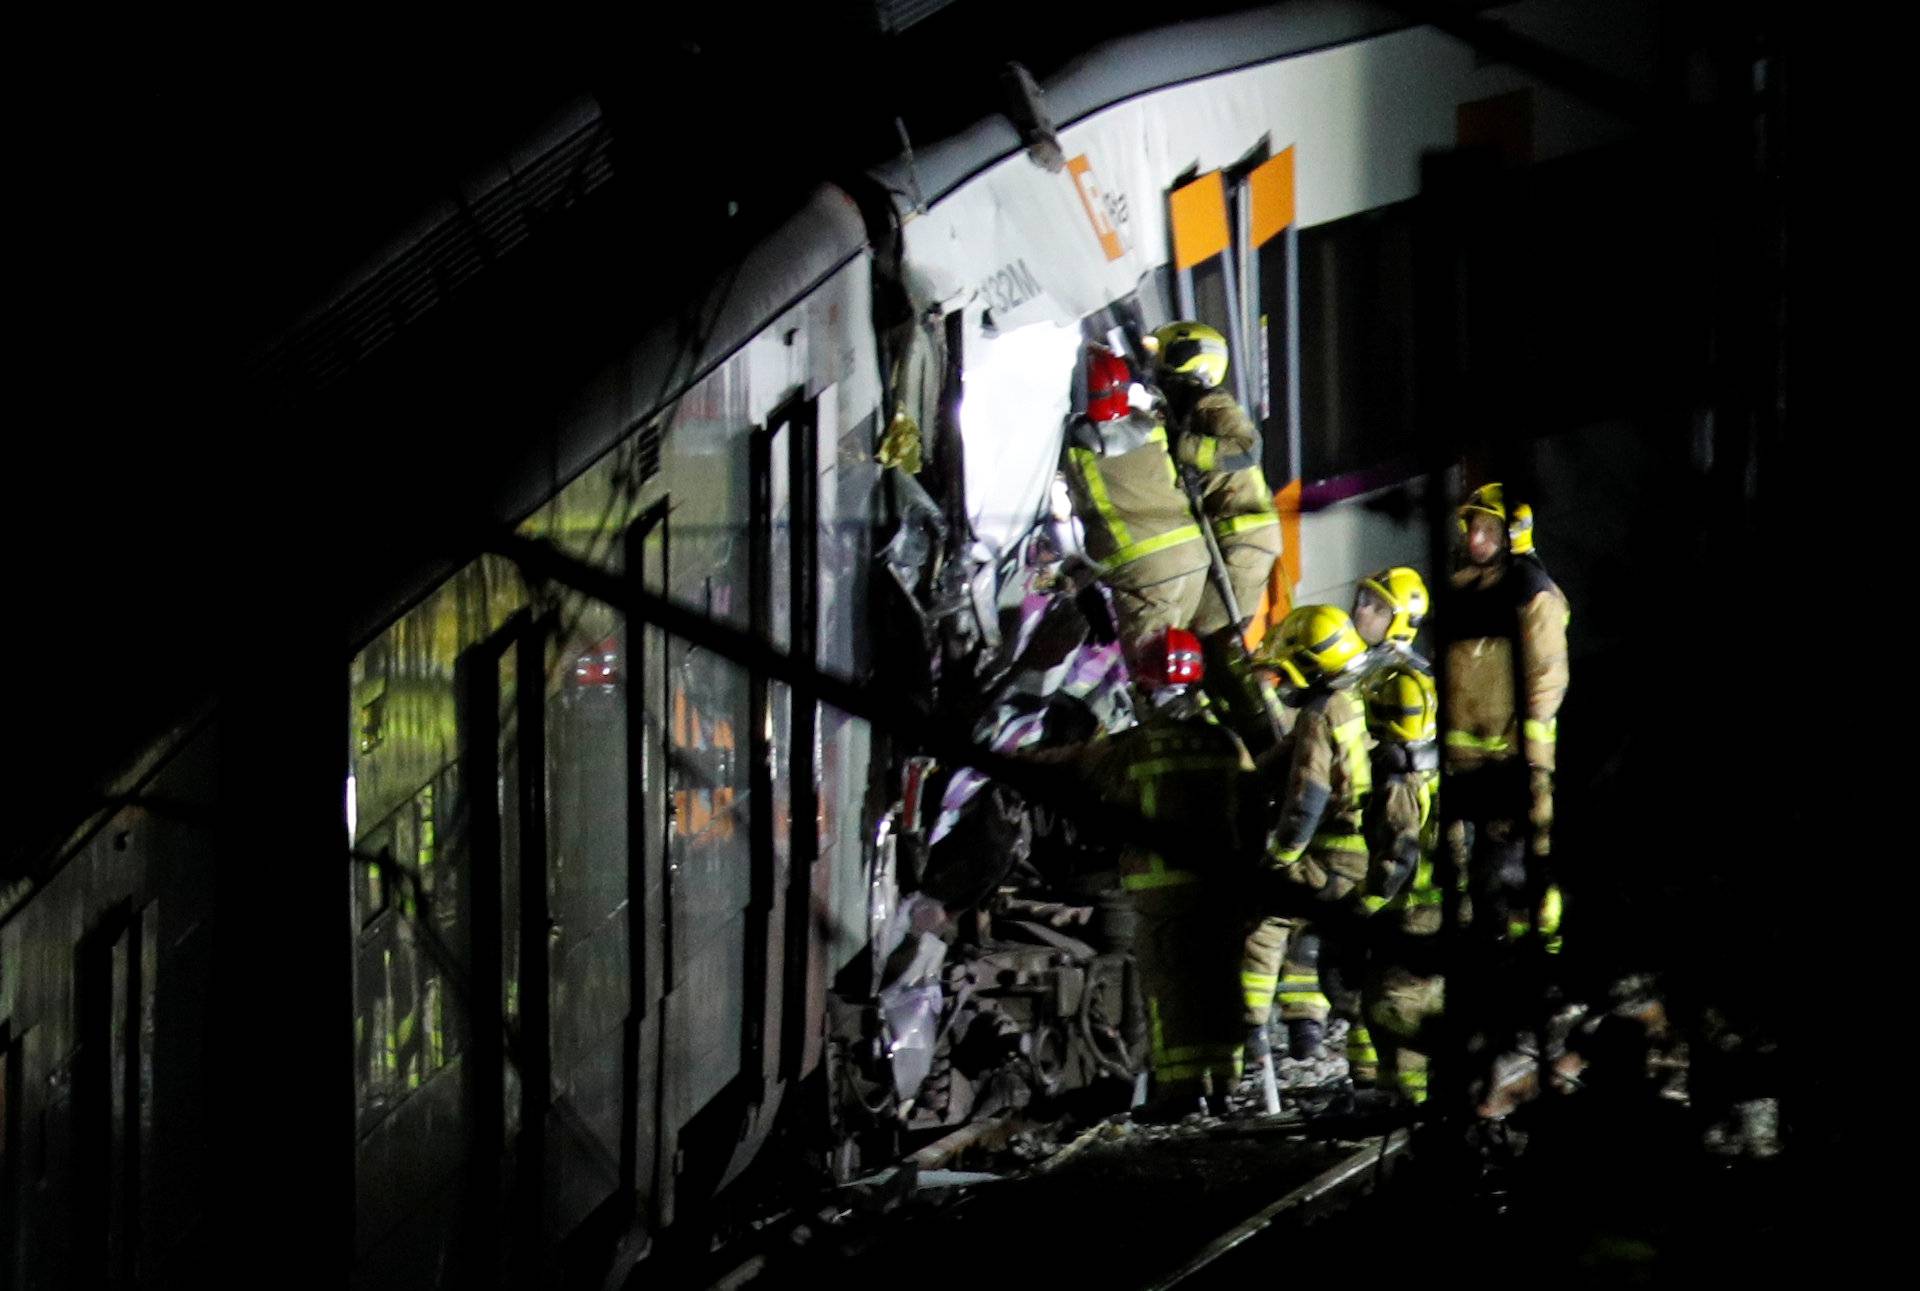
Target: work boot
<point x="1344" y="1098"/>
<point x="1306" y="1040"/>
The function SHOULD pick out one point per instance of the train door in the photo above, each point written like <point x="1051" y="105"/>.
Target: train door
<point x="742" y="770"/>
<point x="576" y="924"/>
<point x="1235" y="261"/>
<point x="611" y="919"/>
<point x="501" y="814"/>
<point x="112" y="1067"/>
<point x="1235" y="266"/>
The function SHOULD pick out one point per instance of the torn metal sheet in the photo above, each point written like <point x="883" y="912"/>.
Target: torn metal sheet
<point x="922" y="532"/>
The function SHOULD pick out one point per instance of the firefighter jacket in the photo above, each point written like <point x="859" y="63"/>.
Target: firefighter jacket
<point x="1328" y="779"/>
<point x="1139" y="523"/>
<point x="1216" y="437"/>
<point x="1494" y="611"/>
<point x="1190" y="773"/>
<point x="1402" y="827"/>
<point x="1216" y="434"/>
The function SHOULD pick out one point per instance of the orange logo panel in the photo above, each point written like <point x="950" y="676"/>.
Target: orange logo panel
<point x="1095" y="203"/>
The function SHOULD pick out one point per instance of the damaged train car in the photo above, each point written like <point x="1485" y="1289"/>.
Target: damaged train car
<point x="633" y="918"/>
<point x="1231" y="198"/>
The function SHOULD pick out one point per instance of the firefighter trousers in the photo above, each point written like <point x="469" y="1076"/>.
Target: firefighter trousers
<point x="1184" y="932"/>
<point x="1146" y="612"/>
<point x="1239" y="508"/>
<point x="1486" y="839"/>
<point x="1401" y="1012"/>
<point x="1249" y="554"/>
<point x="1268" y="973"/>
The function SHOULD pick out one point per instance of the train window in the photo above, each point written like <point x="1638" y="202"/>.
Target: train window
<point x="1202" y="243"/>
<point x="1268" y="238"/>
<point x="373" y="891"/>
<point x="1556" y="311"/>
<point x="588" y="839"/>
<point x="1574" y="319"/>
<point x="1153" y="300"/>
<point x="848" y="486"/>
<point x="1356" y="341"/>
<point x="1211" y="297"/>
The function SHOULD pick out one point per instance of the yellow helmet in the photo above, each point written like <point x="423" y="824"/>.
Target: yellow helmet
<point x="1190" y="352"/>
<point x="1317" y="643"/>
<point x="1402" y="705"/>
<point x="1490" y="499"/>
<point x="1405" y="593"/>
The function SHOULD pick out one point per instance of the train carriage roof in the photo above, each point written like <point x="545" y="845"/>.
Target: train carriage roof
<point x="1139" y="63"/>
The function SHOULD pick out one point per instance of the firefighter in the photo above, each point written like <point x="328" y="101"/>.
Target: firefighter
<point x="1180" y="767"/>
<point x="1402" y="991"/>
<point x="1499" y="749"/>
<point x="1214" y="437"/>
<point x="1265" y="944"/>
<point x="1140" y="527"/>
<point x="1316" y="844"/>
<point x="1388" y="609"/>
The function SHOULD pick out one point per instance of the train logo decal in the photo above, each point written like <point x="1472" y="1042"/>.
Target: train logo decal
<point x="1107" y="214"/>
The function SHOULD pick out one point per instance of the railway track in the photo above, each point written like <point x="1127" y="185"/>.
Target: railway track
<point x="1119" y="1205"/>
<point x="1329" y="1189"/>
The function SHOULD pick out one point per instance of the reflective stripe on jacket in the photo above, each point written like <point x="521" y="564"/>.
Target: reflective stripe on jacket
<point x="1131" y="504"/>
<point x="1328" y="780"/>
